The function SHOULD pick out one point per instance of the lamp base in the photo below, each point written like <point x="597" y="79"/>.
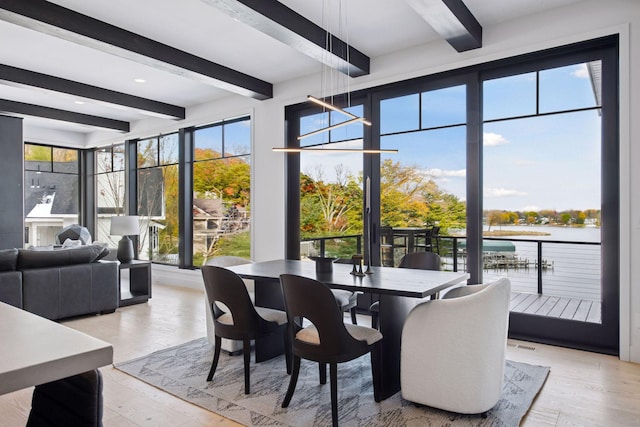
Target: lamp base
<point x="125" y="250"/>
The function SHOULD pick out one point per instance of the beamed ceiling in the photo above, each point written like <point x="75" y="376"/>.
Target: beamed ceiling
<point x="72" y="64"/>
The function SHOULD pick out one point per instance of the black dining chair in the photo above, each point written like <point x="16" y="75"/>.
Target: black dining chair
<point x="71" y="401"/>
<point x="327" y="340"/>
<point x="236" y="318"/>
<point x="417" y="260"/>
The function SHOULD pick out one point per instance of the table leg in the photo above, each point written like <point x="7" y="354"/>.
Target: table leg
<point x="393" y="312"/>
<point x="268" y="293"/>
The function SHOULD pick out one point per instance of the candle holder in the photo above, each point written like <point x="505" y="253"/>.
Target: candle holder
<point x="357" y="265"/>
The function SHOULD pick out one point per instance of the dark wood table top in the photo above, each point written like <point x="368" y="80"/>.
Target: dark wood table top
<point x="405" y="282"/>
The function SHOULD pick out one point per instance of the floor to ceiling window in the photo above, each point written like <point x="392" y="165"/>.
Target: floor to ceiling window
<point x="549" y="166"/>
<point x="222" y="190"/>
<point x="331" y="185"/>
<point x="515" y="162"/>
<point x="157" y="190"/>
<point x="111" y="190"/>
<point x="51" y="197"/>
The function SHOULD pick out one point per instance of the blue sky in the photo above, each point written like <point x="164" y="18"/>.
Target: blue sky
<point x="543" y="162"/>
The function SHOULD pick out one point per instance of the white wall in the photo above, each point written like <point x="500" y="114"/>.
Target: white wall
<point x="586" y="20"/>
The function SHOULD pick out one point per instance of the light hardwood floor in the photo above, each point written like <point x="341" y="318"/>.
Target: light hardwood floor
<point x="583" y="389"/>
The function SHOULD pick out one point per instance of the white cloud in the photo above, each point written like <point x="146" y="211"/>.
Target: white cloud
<point x="525" y="163"/>
<point x="490" y="139"/>
<point x="502" y="192"/>
<point x="436" y="173"/>
<point x="531" y="208"/>
<point x="581" y="72"/>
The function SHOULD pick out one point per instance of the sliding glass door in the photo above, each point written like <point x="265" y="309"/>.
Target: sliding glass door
<point x="549" y="170"/>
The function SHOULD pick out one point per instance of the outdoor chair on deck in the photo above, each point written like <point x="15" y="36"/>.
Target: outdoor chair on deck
<point x="328" y="340"/>
<point x="430" y="240"/>
<point x="417" y="260"/>
<point x="236" y="318"/>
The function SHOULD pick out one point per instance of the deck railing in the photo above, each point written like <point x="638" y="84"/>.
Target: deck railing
<point x="550" y="267"/>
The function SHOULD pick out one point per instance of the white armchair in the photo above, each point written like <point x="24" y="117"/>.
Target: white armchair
<point x="453" y="349"/>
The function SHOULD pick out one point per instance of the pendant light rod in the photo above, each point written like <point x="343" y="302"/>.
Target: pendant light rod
<point x="328" y="128"/>
<point x="336" y="109"/>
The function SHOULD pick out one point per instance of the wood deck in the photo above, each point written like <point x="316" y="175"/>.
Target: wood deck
<point x="565" y="308"/>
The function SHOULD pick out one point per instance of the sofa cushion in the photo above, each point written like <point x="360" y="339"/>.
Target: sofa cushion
<point x="8" y="259"/>
<point x="60" y="257"/>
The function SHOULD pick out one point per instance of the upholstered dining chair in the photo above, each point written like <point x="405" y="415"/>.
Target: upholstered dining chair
<point x="71" y="401"/>
<point x="236" y="318"/>
<point x="418" y="260"/>
<point x="347" y="300"/>
<point x="461" y="368"/>
<point x="327" y="340"/>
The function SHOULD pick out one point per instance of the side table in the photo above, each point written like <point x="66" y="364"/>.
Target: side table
<point x="135" y="282"/>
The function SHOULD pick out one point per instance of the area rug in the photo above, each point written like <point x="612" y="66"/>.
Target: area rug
<point x="182" y="371"/>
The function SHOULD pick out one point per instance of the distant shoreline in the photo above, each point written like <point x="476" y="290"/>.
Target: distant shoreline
<point x="514" y="233"/>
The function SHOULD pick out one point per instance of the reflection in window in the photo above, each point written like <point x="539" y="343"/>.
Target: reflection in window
<point x="111" y="191"/>
<point x="148" y="152"/>
<point x="158" y="199"/>
<point x="222" y="190"/>
<point x="51" y="197"/>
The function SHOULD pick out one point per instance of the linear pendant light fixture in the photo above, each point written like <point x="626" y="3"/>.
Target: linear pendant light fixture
<point x="352" y="118"/>
<point x="333" y="150"/>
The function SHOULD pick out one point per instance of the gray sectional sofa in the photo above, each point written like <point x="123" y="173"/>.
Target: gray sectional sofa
<point x="59" y="283"/>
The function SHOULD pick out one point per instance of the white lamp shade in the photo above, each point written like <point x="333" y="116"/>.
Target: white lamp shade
<point x="125" y="226"/>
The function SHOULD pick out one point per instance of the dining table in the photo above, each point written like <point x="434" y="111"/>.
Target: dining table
<point x="398" y="289"/>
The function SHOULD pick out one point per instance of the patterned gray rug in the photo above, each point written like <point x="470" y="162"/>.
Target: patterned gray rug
<point x="182" y="371"/>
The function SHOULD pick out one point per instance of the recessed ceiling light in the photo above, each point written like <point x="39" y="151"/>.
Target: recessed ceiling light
<point x="139" y="80"/>
<point x="79" y="102"/>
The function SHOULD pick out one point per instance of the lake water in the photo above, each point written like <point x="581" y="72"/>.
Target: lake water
<point x="573" y="270"/>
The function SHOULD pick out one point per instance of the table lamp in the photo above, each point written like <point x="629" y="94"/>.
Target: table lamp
<point x="125" y="226"/>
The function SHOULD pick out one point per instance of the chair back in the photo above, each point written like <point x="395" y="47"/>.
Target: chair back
<point x="226" y="287"/>
<point x="421" y="260"/>
<point x="313" y="300"/>
<point x="462" y="368"/>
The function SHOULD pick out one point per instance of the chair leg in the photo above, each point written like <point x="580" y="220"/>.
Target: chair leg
<point x="292" y="382"/>
<point x="246" y="349"/>
<point x="333" y="374"/>
<point x="353" y="316"/>
<point x="216" y="357"/>
<point x="322" y="369"/>
<point x="374" y="320"/>
<point x="287" y="351"/>
<point x="375" y="372"/>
